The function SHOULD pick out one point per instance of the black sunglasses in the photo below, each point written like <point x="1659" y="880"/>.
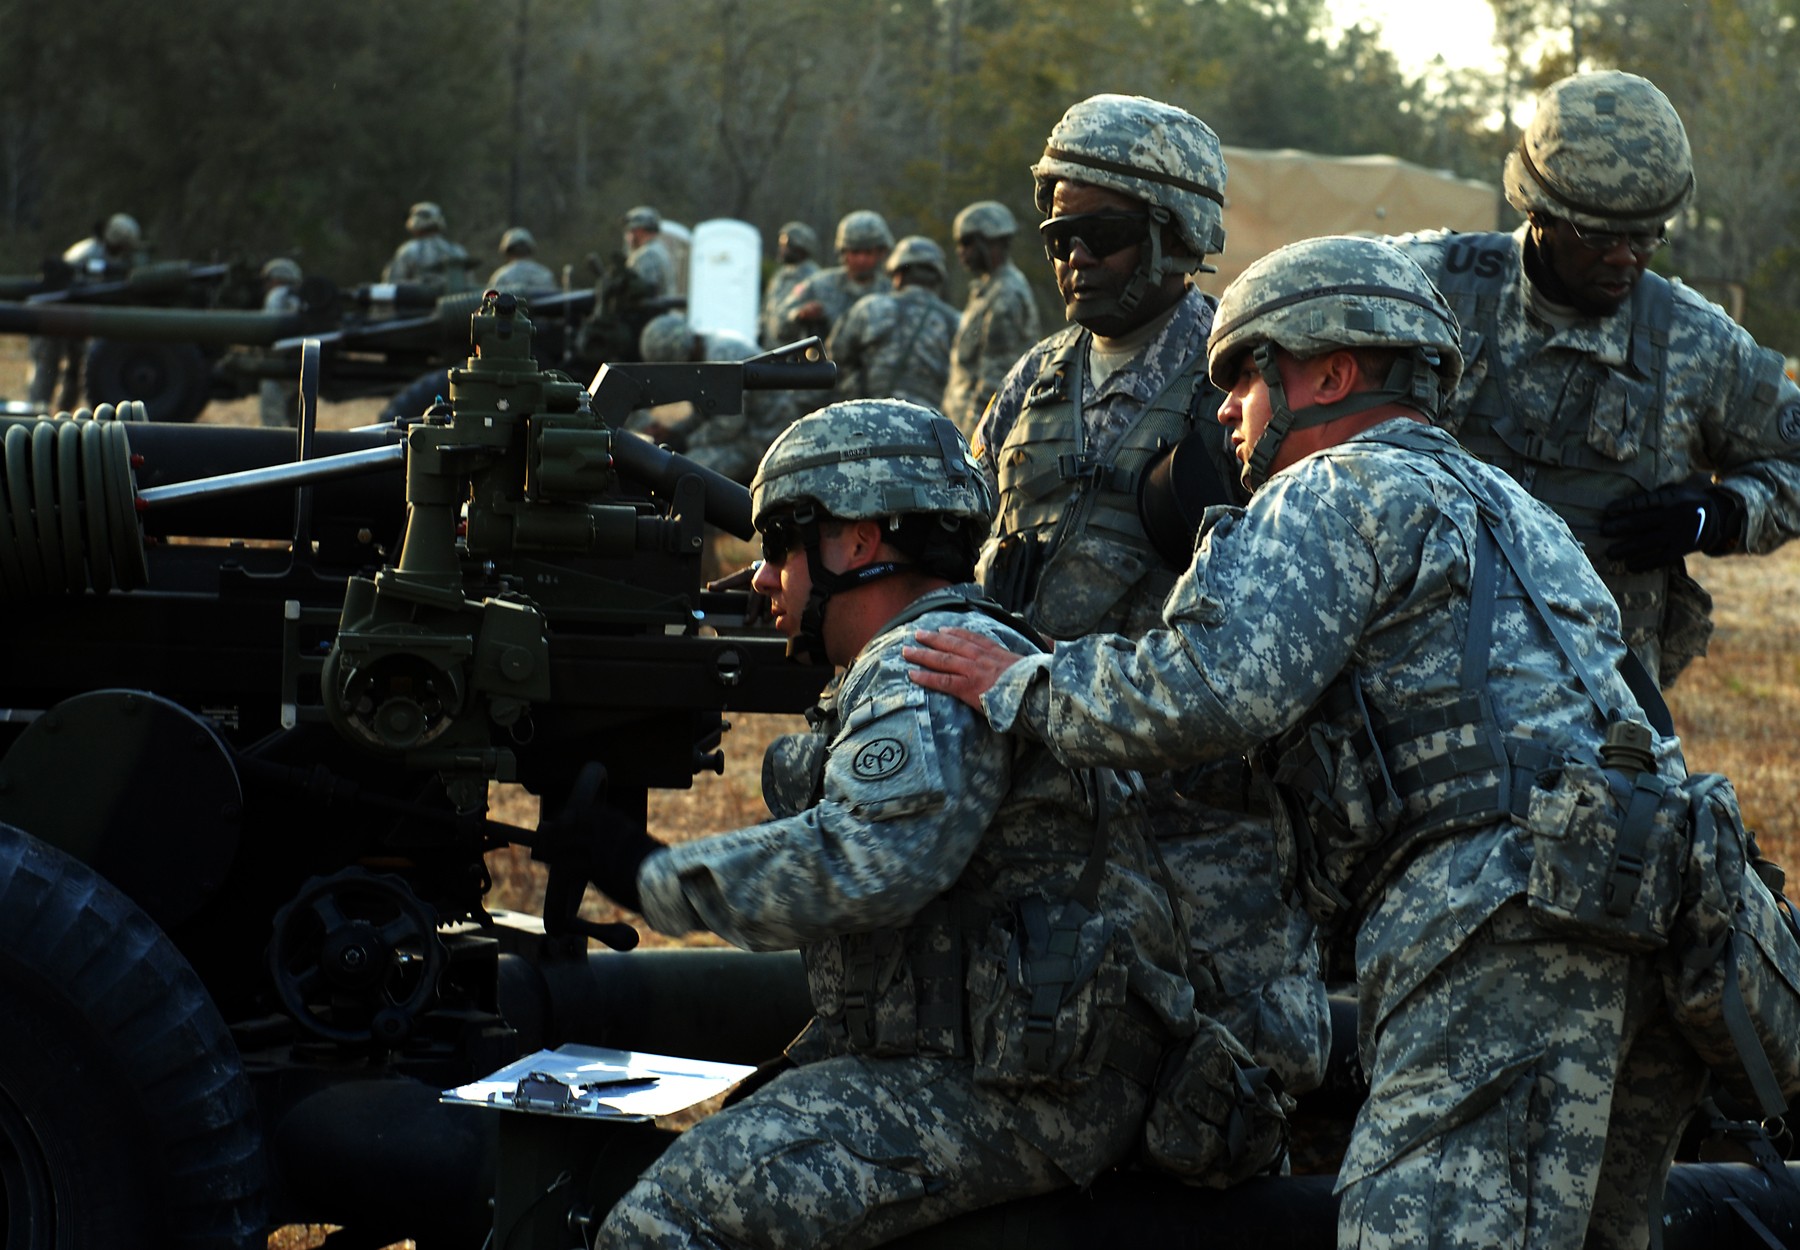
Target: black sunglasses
<point x="780" y="535"/>
<point x="1101" y="234"/>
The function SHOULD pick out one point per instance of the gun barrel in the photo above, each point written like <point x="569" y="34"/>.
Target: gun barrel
<point x="298" y="473"/>
<point x="727" y="502"/>
<point x="163" y="325"/>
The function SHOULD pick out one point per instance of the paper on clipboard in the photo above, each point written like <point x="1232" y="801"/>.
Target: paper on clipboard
<point x="599" y="1083"/>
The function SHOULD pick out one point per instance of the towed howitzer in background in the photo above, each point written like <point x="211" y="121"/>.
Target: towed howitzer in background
<point x="249" y="722"/>
<point x="376" y="339"/>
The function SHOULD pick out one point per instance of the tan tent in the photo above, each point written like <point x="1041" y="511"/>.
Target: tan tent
<point x="1275" y="197"/>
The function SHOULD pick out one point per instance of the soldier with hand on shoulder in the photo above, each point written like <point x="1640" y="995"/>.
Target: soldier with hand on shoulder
<point x="1388" y="624"/>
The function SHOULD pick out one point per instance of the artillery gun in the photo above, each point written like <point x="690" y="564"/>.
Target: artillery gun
<point x="374" y="338"/>
<point x="256" y="687"/>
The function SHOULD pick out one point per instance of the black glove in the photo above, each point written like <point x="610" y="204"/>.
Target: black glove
<point x="1655" y="529"/>
<point x="619" y="848"/>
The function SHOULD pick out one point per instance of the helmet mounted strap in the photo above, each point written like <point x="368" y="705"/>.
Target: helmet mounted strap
<point x="1411" y="381"/>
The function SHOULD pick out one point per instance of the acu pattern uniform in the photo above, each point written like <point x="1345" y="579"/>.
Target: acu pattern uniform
<point x="912" y="849"/>
<point x="999" y="323"/>
<point x="1590" y="411"/>
<point x="1070" y="552"/>
<point x="897" y="343"/>
<point x="1520" y="1080"/>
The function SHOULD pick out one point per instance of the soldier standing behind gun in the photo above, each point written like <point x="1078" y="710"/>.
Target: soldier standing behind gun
<point x="795" y="248"/>
<point x="1433" y="669"/>
<point x="728" y="443"/>
<point x="994" y="968"/>
<point x="1000" y="321"/>
<point x="1650" y="422"/>
<point x="816" y="305"/>
<point x="110" y="251"/>
<point x="428" y="259"/>
<point x="522" y="273"/>
<point x="897" y="343"/>
<point x="278" y="402"/>
<point x="1133" y="189"/>
<point x="646" y="255"/>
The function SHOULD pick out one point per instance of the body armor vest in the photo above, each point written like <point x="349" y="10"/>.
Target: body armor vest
<point x="907" y="989"/>
<point x="1073" y="516"/>
<point x="1602" y="441"/>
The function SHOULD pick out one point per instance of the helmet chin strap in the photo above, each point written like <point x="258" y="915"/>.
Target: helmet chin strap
<point x="808" y="645"/>
<point x="1152" y="267"/>
<point x="1412" y="381"/>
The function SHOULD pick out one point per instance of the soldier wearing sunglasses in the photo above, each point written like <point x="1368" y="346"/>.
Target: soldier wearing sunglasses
<point x="1132" y="191"/>
<point x="1640" y="412"/>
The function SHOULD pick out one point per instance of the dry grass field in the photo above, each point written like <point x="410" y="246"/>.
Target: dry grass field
<point x="1736" y="710"/>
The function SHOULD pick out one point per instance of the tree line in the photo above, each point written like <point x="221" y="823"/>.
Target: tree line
<point x="248" y="130"/>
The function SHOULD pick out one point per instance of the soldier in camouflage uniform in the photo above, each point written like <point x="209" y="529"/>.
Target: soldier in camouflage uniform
<point x="727" y="442"/>
<point x="795" y="247"/>
<point x="816" y="305"/>
<point x="1133" y="189"/>
<point x="1393" y="619"/>
<point x="646" y="255"/>
<point x="1000" y="321"/>
<point x="1651" y="423"/>
<point x="521" y="274"/>
<point x="429" y="259"/>
<point x="896" y="344"/>
<point x="924" y="866"/>
<point x="278" y="402"/>
<point x="108" y="253"/>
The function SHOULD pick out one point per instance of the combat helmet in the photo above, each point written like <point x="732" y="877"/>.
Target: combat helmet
<point x="1606" y="150"/>
<point x="1154" y="152"/>
<point x="1322" y="294"/>
<point x="643" y="217"/>
<point x="517" y="236"/>
<point x="282" y="270"/>
<point x="872" y="459"/>
<point x="121" y="231"/>
<point x="917" y="250"/>
<point x="800" y="235"/>
<point x="990" y="219"/>
<point x="863" y="229"/>
<point x="666" y="339"/>
<point x="425" y="216"/>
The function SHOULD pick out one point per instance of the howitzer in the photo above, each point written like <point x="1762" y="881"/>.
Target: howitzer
<point x="255" y="687"/>
<point x="376" y="339"/>
<point x="258" y="725"/>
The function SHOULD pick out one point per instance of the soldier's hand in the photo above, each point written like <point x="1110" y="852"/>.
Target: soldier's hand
<point x="1657" y="528"/>
<point x="811" y="310"/>
<point x="958" y="663"/>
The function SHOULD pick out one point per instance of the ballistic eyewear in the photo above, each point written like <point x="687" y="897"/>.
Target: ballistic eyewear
<point x="1101" y="234"/>
<point x="1641" y="243"/>
<point x="780" y="536"/>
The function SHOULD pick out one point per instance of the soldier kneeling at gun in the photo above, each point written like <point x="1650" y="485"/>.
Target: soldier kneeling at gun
<point x="994" y="961"/>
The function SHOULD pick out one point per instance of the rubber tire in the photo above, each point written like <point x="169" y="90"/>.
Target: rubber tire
<point x="126" y="1118"/>
<point x="173" y="379"/>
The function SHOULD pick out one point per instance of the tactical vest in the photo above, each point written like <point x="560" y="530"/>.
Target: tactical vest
<point x="916" y="988"/>
<point x="1603" y="442"/>
<point x="1356" y="794"/>
<point x="1071" y="517"/>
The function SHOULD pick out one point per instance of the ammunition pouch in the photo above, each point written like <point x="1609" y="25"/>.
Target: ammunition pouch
<point x="1607" y="854"/>
<point x="1214" y="1117"/>
<point x="1048" y="1001"/>
<point x="1347" y="818"/>
<point x="1732" y="973"/>
<point x="1009" y="567"/>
